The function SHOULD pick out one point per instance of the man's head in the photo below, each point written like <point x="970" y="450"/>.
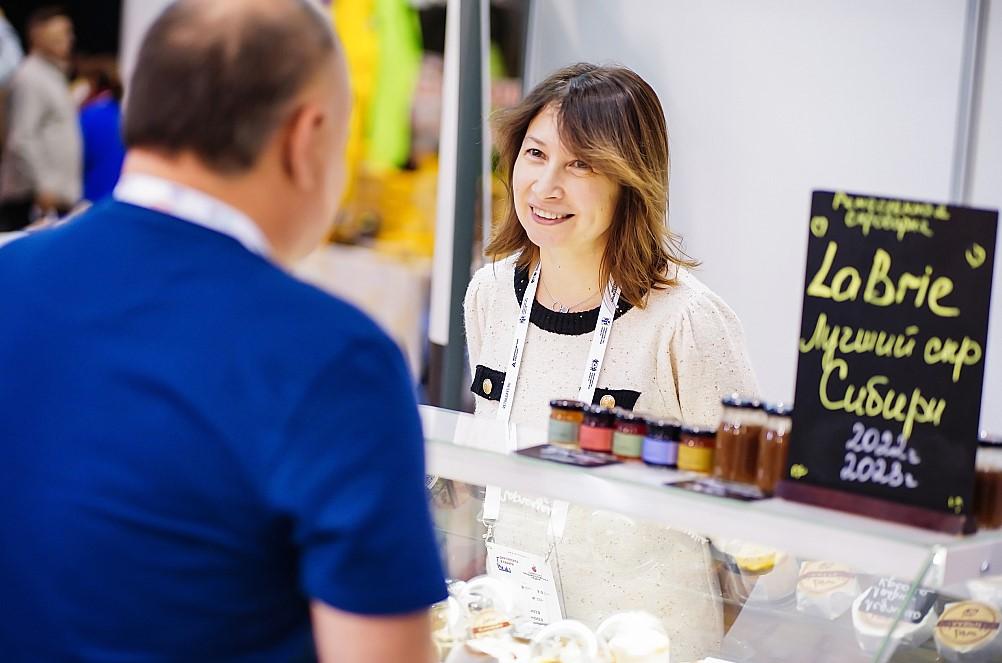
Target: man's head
<point x="50" y="33"/>
<point x="253" y="96"/>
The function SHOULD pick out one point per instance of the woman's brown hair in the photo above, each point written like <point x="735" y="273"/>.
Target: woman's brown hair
<point x="612" y="119"/>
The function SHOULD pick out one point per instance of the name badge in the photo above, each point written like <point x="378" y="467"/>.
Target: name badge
<point x="531" y="580"/>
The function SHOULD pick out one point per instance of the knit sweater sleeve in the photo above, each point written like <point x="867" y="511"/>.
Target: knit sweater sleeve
<point x="474" y="317"/>
<point x="709" y="358"/>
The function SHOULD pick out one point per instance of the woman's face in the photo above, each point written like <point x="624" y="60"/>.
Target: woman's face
<point x="560" y="201"/>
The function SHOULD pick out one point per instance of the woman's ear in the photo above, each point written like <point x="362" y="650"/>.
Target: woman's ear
<point x="303" y="149"/>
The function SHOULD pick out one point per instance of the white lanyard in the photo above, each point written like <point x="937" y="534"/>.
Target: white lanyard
<point x="185" y="203"/>
<point x="596" y="355"/>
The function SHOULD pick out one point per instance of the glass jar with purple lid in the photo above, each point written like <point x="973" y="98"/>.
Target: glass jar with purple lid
<point x="661" y="442"/>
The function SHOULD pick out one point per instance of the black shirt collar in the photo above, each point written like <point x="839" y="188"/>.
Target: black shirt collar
<point x="568" y="324"/>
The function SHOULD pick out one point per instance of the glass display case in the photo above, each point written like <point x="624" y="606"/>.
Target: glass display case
<point x="620" y="551"/>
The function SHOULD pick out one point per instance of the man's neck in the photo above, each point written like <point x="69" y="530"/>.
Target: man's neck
<point x="187" y="170"/>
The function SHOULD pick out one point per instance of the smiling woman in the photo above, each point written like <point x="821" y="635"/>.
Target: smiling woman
<point x="618" y="320"/>
<point x="590" y="144"/>
<point x="585" y="162"/>
<point x="562" y="203"/>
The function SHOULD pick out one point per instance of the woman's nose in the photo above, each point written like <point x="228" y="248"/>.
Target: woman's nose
<point x="547" y="185"/>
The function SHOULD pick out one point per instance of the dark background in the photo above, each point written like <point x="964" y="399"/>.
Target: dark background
<point x="97" y="22"/>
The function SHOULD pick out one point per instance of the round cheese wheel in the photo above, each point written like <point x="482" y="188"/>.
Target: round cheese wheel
<point x="826" y="589"/>
<point x="968" y="631"/>
<point x="874" y="612"/>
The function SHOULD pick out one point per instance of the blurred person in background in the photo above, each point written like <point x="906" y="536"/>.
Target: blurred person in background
<point x="101" y="127"/>
<point x="10" y="57"/>
<point x="204" y="458"/>
<point x="40" y="171"/>
<point x="10" y="50"/>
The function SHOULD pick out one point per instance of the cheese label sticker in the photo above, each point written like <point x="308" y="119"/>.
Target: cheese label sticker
<point x="967" y="624"/>
<point x="823" y="577"/>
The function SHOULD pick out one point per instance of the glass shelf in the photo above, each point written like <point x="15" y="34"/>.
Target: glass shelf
<point x="481" y="451"/>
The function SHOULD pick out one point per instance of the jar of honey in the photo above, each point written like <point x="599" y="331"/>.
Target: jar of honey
<point x="773" y="446"/>
<point x="737" y="439"/>
<point x="661" y="442"/>
<point x="695" y="449"/>
<point x="565" y="422"/>
<point x="597" y="428"/>
<point x="628" y="437"/>
<point x="988" y="482"/>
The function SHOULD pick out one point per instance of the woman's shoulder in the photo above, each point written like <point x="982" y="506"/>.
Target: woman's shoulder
<point x="685" y="291"/>
<point x="494" y="275"/>
<point x="491" y="278"/>
<point x="686" y="298"/>
<point x="496" y="270"/>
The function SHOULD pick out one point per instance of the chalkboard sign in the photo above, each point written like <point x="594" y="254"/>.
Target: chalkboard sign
<point x="892" y="348"/>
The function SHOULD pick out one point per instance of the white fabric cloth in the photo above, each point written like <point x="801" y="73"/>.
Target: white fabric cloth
<point x="683" y="352"/>
<point x="44" y="149"/>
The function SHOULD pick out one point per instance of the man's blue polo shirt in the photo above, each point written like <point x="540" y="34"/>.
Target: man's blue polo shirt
<point x="194" y="444"/>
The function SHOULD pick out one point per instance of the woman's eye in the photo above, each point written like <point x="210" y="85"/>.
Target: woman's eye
<point x="580" y="165"/>
<point x="534" y="153"/>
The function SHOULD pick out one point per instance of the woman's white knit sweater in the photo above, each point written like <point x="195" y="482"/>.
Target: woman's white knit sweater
<point x="677" y="357"/>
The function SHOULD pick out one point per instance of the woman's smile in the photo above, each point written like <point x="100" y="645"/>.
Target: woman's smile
<point x="546" y="217"/>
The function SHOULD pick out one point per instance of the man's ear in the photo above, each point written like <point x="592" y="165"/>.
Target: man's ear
<point x="301" y="151"/>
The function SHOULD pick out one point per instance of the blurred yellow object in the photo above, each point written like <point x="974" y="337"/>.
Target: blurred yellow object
<point x="394" y="209"/>
<point x="382" y="41"/>
<point x="385" y="204"/>
<point x="353" y="20"/>
<point x="409" y="211"/>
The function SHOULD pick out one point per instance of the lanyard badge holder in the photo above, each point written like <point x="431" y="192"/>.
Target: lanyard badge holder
<point x="589" y="381"/>
<point x="531" y="573"/>
<point x="492" y="495"/>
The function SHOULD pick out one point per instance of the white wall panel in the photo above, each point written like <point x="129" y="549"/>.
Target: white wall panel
<point x="136" y="17"/>
<point x="986" y="191"/>
<point x="766" y="101"/>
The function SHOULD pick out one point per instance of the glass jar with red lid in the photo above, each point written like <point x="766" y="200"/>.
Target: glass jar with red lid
<point x="597" y="429"/>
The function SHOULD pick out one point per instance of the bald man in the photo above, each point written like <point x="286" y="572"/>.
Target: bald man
<point x="202" y="458"/>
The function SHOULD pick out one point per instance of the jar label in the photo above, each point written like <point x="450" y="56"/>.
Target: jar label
<point x="595" y="439"/>
<point x="627" y="445"/>
<point x="695" y="459"/>
<point x="562" y="432"/>
<point x="660" y="452"/>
